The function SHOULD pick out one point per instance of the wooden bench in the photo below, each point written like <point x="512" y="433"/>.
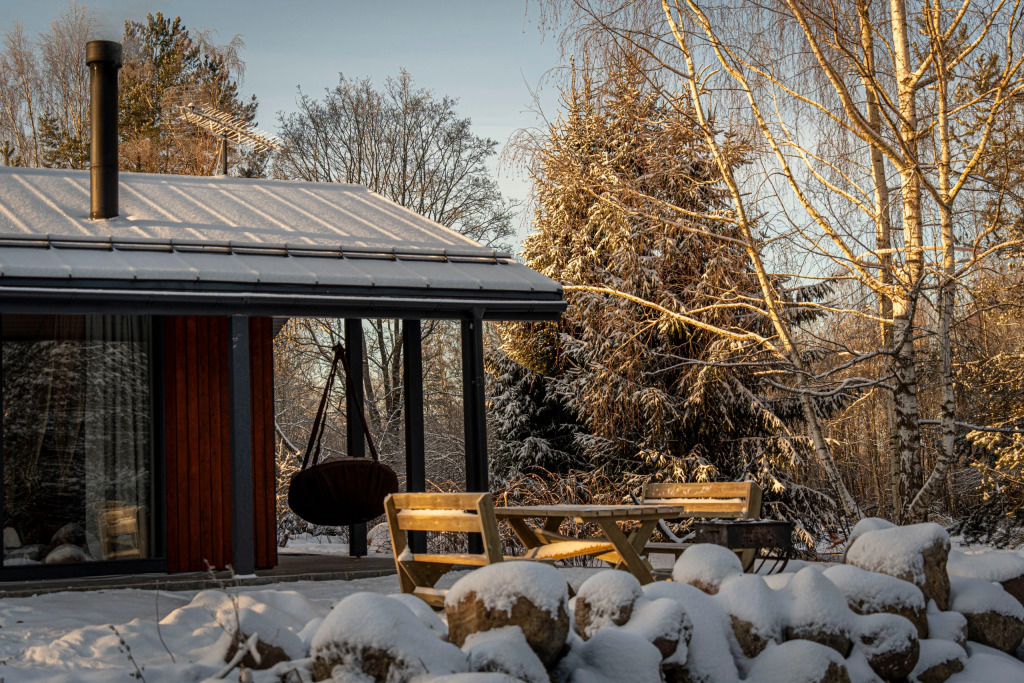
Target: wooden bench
<point x="714" y="500"/>
<point x="462" y="513"/>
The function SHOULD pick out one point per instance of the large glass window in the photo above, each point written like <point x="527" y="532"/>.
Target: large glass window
<point x="77" y="438"/>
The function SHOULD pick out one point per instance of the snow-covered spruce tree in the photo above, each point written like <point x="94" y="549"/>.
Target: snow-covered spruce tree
<point x="536" y="432"/>
<point x="623" y="186"/>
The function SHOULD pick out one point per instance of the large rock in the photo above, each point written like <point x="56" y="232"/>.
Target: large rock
<point x="266" y="654"/>
<point x="378" y="540"/>
<point x="798" y="661"/>
<point x="605" y="599"/>
<point x="890" y="644"/>
<point x="505" y="651"/>
<point x="530" y="595"/>
<point x="66" y="554"/>
<point x="611" y="656"/>
<point x="999" y="566"/>
<point x="938" y="661"/>
<point x="817" y="611"/>
<point x="11" y="538"/>
<point x="367" y="636"/>
<point x="664" y="624"/>
<point x="871" y="593"/>
<point x="863" y="526"/>
<point x="706" y="566"/>
<point x="915" y="553"/>
<point x="34" y="552"/>
<point x="993" y="617"/>
<point x="951" y="626"/>
<point x="69" y="534"/>
<point x="708" y="657"/>
<point x="754" y="611"/>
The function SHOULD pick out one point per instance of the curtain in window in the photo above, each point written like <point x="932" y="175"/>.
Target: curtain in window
<point x="77" y="437"/>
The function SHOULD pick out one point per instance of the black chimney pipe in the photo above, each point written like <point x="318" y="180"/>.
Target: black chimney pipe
<point x="104" y="60"/>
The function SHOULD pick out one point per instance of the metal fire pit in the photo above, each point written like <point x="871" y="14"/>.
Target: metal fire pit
<point x="771" y="540"/>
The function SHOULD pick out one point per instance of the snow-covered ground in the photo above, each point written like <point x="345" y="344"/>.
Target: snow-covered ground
<point x="65" y="637"/>
<point x="711" y="622"/>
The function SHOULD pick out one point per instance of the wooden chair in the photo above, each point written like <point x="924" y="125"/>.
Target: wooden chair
<point x="455" y="512"/>
<point x="713" y="500"/>
<point x="463" y="513"/>
<point x="118" y="527"/>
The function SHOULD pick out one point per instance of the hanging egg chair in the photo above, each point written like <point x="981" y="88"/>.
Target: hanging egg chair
<point x="340" y="491"/>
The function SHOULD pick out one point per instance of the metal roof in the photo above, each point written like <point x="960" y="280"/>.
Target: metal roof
<point x="242" y="245"/>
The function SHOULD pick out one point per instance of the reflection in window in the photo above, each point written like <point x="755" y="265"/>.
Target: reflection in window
<point x="77" y="438"/>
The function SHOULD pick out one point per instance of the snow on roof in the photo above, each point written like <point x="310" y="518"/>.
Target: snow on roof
<point x="216" y="232"/>
<point x="218" y="209"/>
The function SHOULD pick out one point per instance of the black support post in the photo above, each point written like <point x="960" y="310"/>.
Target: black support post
<point x="3" y="411"/>
<point x="412" y="394"/>
<point x="243" y="541"/>
<point x="473" y="415"/>
<point x="356" y="438"/>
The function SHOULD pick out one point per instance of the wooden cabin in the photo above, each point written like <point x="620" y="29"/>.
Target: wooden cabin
<point x="137" y="368"/>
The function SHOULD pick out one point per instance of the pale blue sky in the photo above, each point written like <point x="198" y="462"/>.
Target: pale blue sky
<point x="487" y="53"/>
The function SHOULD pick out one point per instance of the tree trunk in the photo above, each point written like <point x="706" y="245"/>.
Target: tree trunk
<point x="908" y="476"/>
<point x="883" y="239"/>
<point x="947" y="290"/>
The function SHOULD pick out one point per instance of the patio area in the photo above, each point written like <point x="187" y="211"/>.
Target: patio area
<point x="291" y="567"/>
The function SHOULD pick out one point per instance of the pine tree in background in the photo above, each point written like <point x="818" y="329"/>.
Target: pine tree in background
<point x="166" y="66"/>
<point x="60" y="147"/>
<point x="624" y="189"/>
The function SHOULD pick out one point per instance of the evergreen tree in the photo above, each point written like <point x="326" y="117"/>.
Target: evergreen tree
<point x="537" y="433"/>
<point x="166" y="67"/>
<point x="625" y="196"/>
<point x="60" y="147"/>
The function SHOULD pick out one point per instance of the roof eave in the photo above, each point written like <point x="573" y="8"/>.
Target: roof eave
<point x="149" y="299"/>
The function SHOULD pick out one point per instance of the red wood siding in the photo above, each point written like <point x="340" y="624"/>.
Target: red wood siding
<point x="198" y="442"/>
<point x="261" y="369"/>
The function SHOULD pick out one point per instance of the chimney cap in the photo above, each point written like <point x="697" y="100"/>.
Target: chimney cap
<point x="103" y="51"/>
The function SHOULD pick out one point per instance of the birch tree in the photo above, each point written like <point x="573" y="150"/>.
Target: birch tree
<point x="871" y="137"/>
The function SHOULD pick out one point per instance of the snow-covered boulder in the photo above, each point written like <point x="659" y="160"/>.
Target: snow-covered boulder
<point x="530" y="595"/>
<point x="605" y="599"/>
<point x="504" y="650"/>
<point x="916" y="553"/>
<point x="889" y="642"/>
<point x="265" y="623"/>
<point x="664" y="624"/>
<point x="705" y="566"/>
<point x="1000" y="566"/>
<point x="11" y="538"/>
<point x="817" y="611"/>
<point x="612" y="655"/>
<point x="472" y="677"/>
<point x="378" y="539"/>
<point x="427" y="616"/>
<point x="869" y="593"/>
<point x="994" y="618"/>
<point x="798" y="661"/>
<point x="951" y="626"/>
<point x="991" y="565"/>
<point x="66" y="553"/>
<point x="33" y="553"/>
<point x="367" y="636"/>
<point x="754" y="611"/>
<point x="939" y="660"/>
<point x="69" y="534"/>
<point x="867" y="524"/>
<point x="708" y="656"/>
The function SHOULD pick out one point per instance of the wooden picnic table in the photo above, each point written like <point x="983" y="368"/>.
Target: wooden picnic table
<point x="621" y="549"/>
